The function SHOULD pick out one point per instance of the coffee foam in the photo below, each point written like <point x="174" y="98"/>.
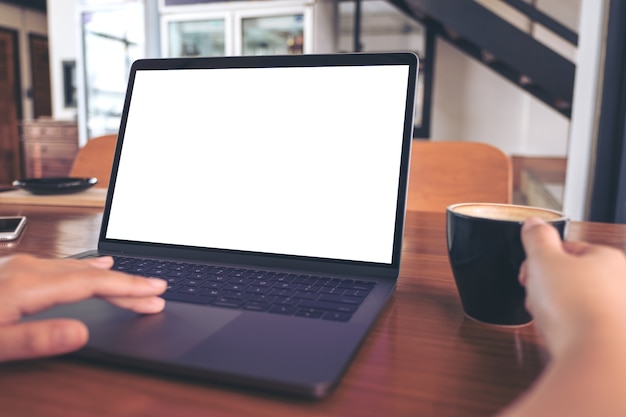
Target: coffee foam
<point x="506" y="212"/>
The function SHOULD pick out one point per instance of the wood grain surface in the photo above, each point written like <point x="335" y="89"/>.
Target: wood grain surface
<point x="422" y="358"/>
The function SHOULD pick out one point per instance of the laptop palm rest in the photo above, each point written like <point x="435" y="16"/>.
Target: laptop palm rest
<point x="170" y="334"/>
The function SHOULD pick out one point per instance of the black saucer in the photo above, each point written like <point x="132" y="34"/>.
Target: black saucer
<point x="60" y="185"/>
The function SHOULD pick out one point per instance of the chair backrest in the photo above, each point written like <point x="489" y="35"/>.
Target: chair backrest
<point x="444" y="173"/>
<point x="95" y="159"/>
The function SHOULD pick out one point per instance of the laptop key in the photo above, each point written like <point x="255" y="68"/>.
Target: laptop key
<point x="217" y="278"/>
<point x="337" y="316"/>
<point x="173" y="280"/>
<point x="261" y="297"/>
<point x="310" y="313"/>
<point x="332" y="290"/>
<point x="285" y="285"/>
<point x="308" y="288"/>
<point x="189" y="290"/>
<point x="258" y="290"/>
<point x="280" y="309"/>
<point x="211" y="284"/>
<point x="363" y="285"/>
<point x="234" y="287"/>
<point x="282" y="293"/>
<point x="210" y="292"/>
<point x="227" y="302"/>
<point x="238" y="280"/>
<point x="187" y="298"/>
<point x="156" y="272"/>
<point x="306" y="295"/>
<point x="341" y="299"/>
<point x="322" y="305"/>
<point x="234" y="295"/>
<point x="256" y="305"/>
<point x="285" y="301"/>
<point x="191" y="282"/>
<point x="356" y="293"/>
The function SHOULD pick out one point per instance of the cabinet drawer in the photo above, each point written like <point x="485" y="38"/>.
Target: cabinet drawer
<point x="51" y="149"/>
<point x="45" y="168"/>
<point x="39" y="132"/>
<point x="48" y="160"/>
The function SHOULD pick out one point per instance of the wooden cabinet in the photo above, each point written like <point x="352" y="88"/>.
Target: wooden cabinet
<point x="49" y="147"/>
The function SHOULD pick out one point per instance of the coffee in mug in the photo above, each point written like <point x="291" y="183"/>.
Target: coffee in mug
<point x="485" y="252"/>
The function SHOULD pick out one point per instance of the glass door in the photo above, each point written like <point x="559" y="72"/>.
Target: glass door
<point x="274" y="30"/>
<point x="272" y="35"/>
<point x="237" y="28"/>
<point x="112" y="38"/>
<point x="193" y="35"/>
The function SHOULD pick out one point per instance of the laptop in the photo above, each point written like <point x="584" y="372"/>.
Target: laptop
<point x="286" y="171"/>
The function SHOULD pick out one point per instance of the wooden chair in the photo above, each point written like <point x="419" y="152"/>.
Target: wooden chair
<point x="444" y="173"/>
<point x="95" y="159"/>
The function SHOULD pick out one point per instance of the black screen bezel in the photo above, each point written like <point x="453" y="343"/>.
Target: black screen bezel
<point x="233" y="256"/>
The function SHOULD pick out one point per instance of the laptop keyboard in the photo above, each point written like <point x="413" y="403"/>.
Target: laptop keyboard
<point x="300" y="295"/>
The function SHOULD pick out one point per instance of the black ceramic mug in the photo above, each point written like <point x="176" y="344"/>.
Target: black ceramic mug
<point x="485" y="252"/>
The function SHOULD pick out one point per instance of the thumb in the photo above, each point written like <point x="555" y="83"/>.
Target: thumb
<point x="41" y="338"/>
<point x="538" y="238"/>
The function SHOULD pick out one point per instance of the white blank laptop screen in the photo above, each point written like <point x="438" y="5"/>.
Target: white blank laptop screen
<point x="298" y="161"/>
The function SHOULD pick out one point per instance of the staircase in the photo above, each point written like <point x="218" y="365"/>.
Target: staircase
<point x="504" y="47"/>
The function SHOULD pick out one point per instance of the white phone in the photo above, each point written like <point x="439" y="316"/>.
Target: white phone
<point x="11" y="226"/>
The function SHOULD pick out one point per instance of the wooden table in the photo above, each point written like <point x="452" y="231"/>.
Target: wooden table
<point x="423" y="358"/>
